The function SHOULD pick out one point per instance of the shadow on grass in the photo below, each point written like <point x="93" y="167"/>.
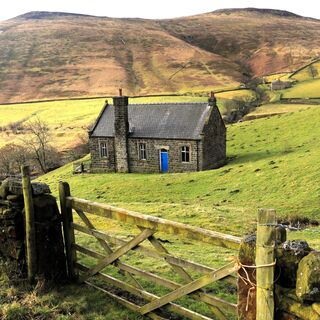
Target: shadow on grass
<point x="255" y="156"/>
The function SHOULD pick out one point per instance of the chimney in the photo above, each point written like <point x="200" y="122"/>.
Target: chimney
<point x="212" y="101"/>
<point x="121" y="130"/>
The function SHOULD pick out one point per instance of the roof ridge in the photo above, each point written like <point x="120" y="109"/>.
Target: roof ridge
<point x="164" y="103"/>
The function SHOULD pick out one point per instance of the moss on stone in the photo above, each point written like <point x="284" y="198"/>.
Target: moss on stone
<point x="308" y="277"/>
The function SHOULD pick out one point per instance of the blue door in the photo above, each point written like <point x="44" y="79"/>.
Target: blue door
<point x="164" y="160"/>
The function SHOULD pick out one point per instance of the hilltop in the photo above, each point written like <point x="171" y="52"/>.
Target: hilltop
<point x="275" y="12"/>
<point x="56" y="55"/>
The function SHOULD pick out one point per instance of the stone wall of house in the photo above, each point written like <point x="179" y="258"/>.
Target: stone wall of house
<point x="152" y="164"/>
<point x="51" y="263"/>
<point x="297" y="280"/>
<point x="99" y="164"/>
<point x="213" y="141"/>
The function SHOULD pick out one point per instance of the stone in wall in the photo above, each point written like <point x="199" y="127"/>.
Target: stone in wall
<point x="308" y="278"/>
<point x="289" y="307"/>
<point x="289" y="254"/>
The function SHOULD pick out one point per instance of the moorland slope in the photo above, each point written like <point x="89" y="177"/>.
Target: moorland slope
<point x="52" y="55"/>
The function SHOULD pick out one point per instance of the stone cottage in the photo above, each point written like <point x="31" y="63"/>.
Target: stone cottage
<point x="161" y="137"/>
<point x="280" y="85"/>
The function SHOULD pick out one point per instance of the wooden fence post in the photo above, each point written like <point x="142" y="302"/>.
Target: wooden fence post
<point x="68" y="231"/>
<point x="31" y="253"/>
<point x="265" y="260"/>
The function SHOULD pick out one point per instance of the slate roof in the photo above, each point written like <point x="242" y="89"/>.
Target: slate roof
<point x="162" y="121"/>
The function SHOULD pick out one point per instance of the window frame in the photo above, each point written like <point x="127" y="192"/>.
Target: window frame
<point x="142" y="151"/>
<point x="103" y="149"/>
<point x="185" y="154"/>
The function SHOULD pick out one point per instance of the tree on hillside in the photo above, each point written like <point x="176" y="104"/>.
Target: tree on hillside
<point x="313" y="71"/>
<point x="235" y="109"/>
<point x="38" y="142"/>
<point x="12" y="157"/>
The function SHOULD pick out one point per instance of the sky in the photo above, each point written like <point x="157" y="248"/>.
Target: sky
<point x="151" y="9"/>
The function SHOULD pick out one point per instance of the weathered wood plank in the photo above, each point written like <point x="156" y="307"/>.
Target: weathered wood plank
<point x="183" y="273"/>
<point x="116" y="254"/>
<point x="190" y="287"/>
<point x="30" y="225"/>
<point x="68" y="231"/>
<point x="160" y="248"/>
<point x="211" y="300"/>
<point x="172" y="307"/>
<point x="153" y="253"/>
<point x="150" y="222"/>
<point x="126" y="303"/>
<point x="265" y="258"/>
<point x="104" y="244"/>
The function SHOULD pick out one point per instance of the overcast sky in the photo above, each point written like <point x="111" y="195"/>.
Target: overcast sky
<point x="151" y="8"/>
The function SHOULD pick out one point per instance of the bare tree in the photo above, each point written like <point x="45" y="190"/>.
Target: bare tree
<point x="313" y="71"/>
<point x="38" y="142"/>
<point x="12" y="156"/>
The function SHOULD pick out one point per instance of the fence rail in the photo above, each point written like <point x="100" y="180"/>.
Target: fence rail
<point x="158" y="224"/>
<point x="115" y="248"/>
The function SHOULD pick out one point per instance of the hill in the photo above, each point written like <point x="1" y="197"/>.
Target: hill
<point x="55" y="55"/>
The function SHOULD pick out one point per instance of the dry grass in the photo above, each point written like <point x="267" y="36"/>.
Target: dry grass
<point x="87" y="56"/>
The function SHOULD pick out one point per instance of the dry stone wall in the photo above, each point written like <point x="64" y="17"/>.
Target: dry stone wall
<point x="297" y="280"/>
<point x="49" y="242"/>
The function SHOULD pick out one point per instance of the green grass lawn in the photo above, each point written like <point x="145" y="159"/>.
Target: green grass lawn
<point x="305" y="89"/>
<point x="277" y="108"/>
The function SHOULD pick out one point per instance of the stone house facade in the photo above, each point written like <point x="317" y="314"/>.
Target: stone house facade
<point x="168" y="137"/>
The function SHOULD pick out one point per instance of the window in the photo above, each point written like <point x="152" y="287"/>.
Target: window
<point x="142" y="151"/>
<point x="185" y="154"/>
<point x="103" y="150"/>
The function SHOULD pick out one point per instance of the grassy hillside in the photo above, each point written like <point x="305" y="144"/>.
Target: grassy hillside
<point x="69" y="120"/>
<point x="310" y="72"/>
<point x="272" y="109"/>
<point x="272" y="163"/>
<point x="50" y="55"/>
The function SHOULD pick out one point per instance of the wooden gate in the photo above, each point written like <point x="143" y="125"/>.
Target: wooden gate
<point x="150" y="305"/>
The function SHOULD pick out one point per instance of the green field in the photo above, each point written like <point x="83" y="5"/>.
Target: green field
<point x="70" y="119"/>
<point x="305" y="89"/>
<point x="308" y="73"/>
<point x="272" y="77"/>
<point x="271" y="109"/>
<point x="264" y="170"/>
